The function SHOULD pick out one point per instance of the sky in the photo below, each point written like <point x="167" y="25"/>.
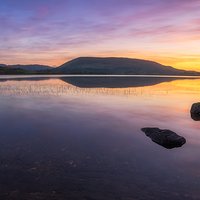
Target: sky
<point x="52" y="32"/>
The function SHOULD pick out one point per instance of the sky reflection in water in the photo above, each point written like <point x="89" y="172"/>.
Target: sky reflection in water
<point x="62" y="141"/>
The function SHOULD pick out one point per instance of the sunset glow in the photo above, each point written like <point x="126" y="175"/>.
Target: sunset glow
<point x="54" y="31"/>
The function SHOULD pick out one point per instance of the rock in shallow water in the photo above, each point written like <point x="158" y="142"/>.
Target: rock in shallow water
<point x="165" y="138"/>
<point x="195" y="111"/>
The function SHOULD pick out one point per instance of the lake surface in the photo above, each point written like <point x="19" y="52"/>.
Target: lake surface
<point x="80" y="138"/>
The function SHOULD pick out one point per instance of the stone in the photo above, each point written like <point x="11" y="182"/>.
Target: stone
<point x="165" y="138"/>
<point x="195" y="111"/>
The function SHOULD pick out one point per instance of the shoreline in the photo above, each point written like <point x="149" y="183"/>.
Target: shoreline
<point x="93" y="75"/>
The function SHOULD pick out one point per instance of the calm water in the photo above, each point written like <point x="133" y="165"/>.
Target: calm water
<point x="79" y="138"/>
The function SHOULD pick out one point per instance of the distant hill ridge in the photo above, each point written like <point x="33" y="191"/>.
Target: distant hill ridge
<point x="23" y="69"/>
<point x="96" y="65"/>
<point x="118" y="66"/>
<point x="32" y="67"/>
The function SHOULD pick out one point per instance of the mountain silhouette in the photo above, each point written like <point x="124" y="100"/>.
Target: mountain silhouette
<point x="117" y="66"/>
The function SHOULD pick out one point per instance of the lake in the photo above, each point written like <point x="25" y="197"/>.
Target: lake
<point x="66" y="137"/>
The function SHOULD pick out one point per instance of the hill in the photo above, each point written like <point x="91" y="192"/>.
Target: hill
<point x="95" y="66"/>
<point x="9" y="71"/>
<point x="32" y="68"/>
<point x="117" y="66"/>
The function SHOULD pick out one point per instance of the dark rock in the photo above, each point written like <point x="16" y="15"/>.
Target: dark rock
<point x="195" y="111"/>
<point x="165" y="138"/>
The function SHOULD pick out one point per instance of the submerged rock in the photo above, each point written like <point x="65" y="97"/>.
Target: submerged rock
<point x="165" y="138"/>
<point x="195" y="111"/>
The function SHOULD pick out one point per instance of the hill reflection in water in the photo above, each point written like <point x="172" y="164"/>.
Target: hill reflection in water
<point x="115" y="82"/>
<point x="127" y="86"/>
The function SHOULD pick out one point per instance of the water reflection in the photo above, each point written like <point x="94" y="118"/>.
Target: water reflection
<point x="115" y="82"/>
<point x="61" y="141"/>
<point x="130" y="86"/>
